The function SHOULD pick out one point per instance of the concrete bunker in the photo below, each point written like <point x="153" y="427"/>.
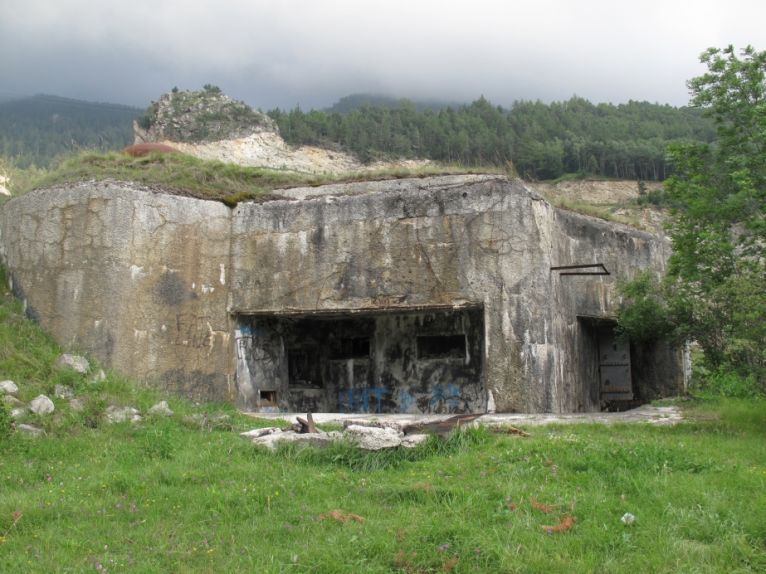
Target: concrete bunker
<point x="420" y="295"/>
<point x="428" y="360"/>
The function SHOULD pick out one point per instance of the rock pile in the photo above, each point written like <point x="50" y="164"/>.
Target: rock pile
<point x="370" y="436"/>
<point x="42" y="405"/>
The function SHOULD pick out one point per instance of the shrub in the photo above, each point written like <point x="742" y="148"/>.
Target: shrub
<point x="728" y="383"/>
<point x="643" y="314"/>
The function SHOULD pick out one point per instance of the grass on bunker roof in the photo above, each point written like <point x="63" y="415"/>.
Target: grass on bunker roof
<point x="210" y="179"/>
<point x="187" y="494"/>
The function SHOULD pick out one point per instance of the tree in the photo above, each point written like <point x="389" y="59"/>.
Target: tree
<point x="714" y="289"/>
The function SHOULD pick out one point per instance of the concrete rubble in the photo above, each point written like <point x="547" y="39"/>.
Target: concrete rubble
<point x="367" y="436"/>
<point x="11" y="401"/>
<point x="650" y="414"/>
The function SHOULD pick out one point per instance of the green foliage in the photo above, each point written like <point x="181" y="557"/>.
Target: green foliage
<point x="718" y="267"/>
<point x="146" y="120"/>
<point x="654" y="197"/>
<point x="725" y="382"/>
<point x="353" y="102"/>
<point x="714" y="290"/>
<point x="643" y="315"/>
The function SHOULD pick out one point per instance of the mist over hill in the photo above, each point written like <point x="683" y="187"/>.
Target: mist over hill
<point x="353" y="102"/>
<point x="36" y="129"/>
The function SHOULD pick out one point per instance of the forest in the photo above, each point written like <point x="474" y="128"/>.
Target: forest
<point x="538" y="140"/>
<point x="36" y="130"/>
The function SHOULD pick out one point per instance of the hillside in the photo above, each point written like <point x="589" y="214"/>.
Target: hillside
<point x="35" y="130"/>
<point x="539" y="141"/>
<point x="209" y="125"/>
<point x="542" y="141"/>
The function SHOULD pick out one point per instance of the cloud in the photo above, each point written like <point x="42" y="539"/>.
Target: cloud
<point x="301" y="51"/>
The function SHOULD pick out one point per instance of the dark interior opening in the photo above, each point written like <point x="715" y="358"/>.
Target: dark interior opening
<point x="268" y="398"/>
<point x="424" y="361"/>
<point x="441" y="347"/>
<point x="351" y="348"/>
<point x="303" y="367"/>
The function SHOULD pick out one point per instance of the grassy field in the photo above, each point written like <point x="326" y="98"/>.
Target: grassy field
<point x="187" y="494"/>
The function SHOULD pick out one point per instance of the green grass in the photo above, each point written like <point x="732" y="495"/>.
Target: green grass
<point x="205" y="179"/>
<point x="173" y="495"/>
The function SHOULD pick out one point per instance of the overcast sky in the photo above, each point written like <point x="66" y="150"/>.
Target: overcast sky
<point x="287" y="52"/>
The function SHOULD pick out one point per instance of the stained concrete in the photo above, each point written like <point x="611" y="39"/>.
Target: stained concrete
<point x="192" y="296"/>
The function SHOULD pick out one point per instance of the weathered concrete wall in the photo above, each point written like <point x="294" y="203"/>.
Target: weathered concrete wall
<point x="448" y="241"/>
<point x="136" y="278"/>
<point x="161" y="287"/>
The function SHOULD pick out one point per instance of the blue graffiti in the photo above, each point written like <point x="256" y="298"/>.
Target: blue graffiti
<point x="447" y="395"/>
<point x="358" y="400"/>
<point x="246" y="330"/>
<point x="406" y="400"/>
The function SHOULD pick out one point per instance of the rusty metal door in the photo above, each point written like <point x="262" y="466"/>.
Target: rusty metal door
<point x="614" y="366"/>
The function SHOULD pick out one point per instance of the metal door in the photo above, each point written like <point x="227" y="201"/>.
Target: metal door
<point x="614" y="366"/>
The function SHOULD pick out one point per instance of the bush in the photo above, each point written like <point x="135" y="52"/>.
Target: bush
<point x="728" y="383"/>
<point x="643" y="314"/>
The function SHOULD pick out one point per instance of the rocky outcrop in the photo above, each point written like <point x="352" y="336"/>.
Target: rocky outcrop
<point x="209" y="125"/>
<point x="199" y="116"/>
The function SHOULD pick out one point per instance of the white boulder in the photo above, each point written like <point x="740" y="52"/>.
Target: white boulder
<point x="8" y="388"/>
<point x="41" y="405"/>
<point x="161" y="409"/>
<point x="116" y="414"/>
